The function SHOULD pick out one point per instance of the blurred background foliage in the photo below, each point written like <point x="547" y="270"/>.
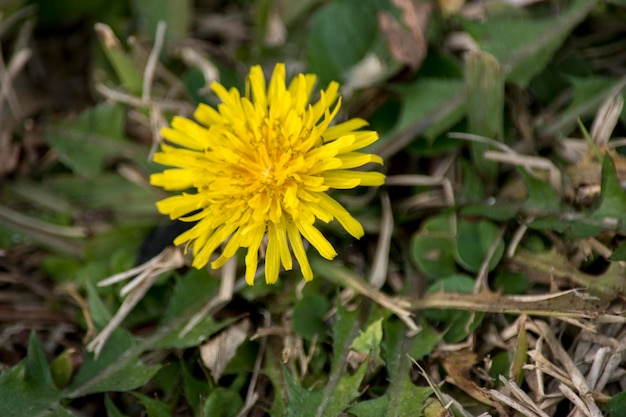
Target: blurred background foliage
<point x="501" y="124"/>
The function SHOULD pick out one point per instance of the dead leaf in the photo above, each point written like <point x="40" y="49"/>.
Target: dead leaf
<point x="219" y="350"/>
<point x="457" y="365"/>
<point x="406" y="40"/>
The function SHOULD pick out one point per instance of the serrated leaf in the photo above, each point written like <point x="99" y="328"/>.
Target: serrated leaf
<point x="410" y="400"/>
<point x="344" y="330"/>
<point x="36" y="371"/>
<point x="524" y="46"/>
<point x="113" y="370"/>
<point x="23" y="393"/>
<point x="84" y="144"/>
<point x="368" y="341"/>
<point x="301" y="402"/>
<point x="371" y="408"/>
<point x="154" y="407"/>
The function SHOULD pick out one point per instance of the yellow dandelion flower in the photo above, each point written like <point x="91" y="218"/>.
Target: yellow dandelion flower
<point x="261" y="165"/>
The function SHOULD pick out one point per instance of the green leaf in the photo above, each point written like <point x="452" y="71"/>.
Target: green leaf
<point x="195" y="390"/>
<point x="473" y="242"/>
<point x="616" y="407"/>
<point x="612" y="197"/>
<point x="484" y="81"/>
<point x="438" y="104"/>
<point x="36" y="371"/>
<point x="524" y="46"/>
<point x="369" y="341"/>
<point x="344" y="331"/>
<point x="97" y="134"/>
<point x="432" y="247"/>
<point x="175" y="13"/>
<point x="459" y="323"/>
<point x="589" y="94"/>
<point x="113" y="370"/>
<point x="341" y="34"/>
<point x="424" y="342"/>
<point x="112" y="410"/>
<point x="404" y="398"/>
<point x="301" y="402"/>
<point x="541" y="197"/>
<point x="410" y="400"/>
<point x="308" y="316"/>
<point x="345" y="392"/>
<point x="61" y="368"/>
<point x="27" y="389"/>
<point x="190" y="291"/>
<point x="222" y="402"/>
<point x="619" y="254"/>
<point x="154" y="407"/>
<point x="371" y="408"/>
<point x="123" y="64"/>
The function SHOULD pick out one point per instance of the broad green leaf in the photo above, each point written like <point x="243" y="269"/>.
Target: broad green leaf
<point x="589" y="94"/>
<point x="123" y="64"/>
<point x="114" y="370"/>
<point x="190" y="291"/>
<point x="484" y="81"/>
<point x="222" y="402"/>
<point x="432" y="248"/>
<point x="523" y="45"/>
<point x="473" y="243"/>
<point x="619" y="254"/>
<point x="616" y="407"/>
<point x="424" y="342"/>
<point x="85" y="144"/>
<point x="458" y="323"/>
<point x="308" y="316"/>
<point x="541" y="198"/>
<point x="371" y="408"/>
<point x="112" y="410"/>
<point x="438" y="104"/>
<point x="176" y="14"/>
<point x="154" y="407"/>
<point x="341" y="34"/>
<point x="511" y="282"/>
<point x="194" y="389"/>
<point x="130" y="202"/>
